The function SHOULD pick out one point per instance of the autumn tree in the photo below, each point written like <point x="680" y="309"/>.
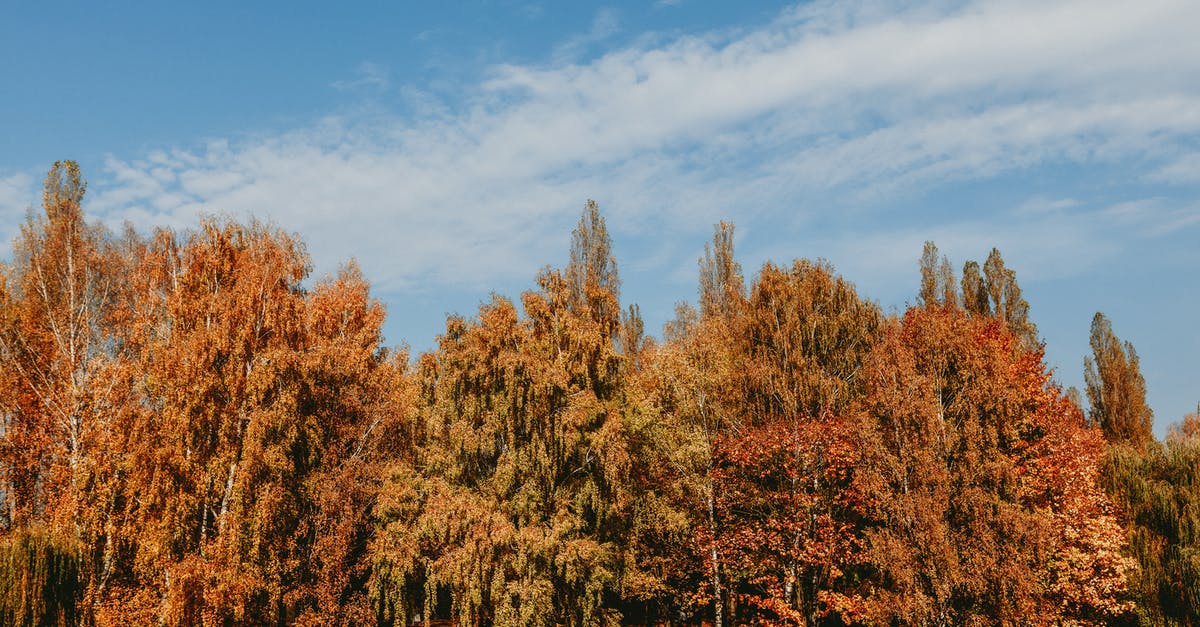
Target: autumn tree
<point x="694" y="398"/>
<point x="974" y="290"/>
<point x="1186" y="429"/>
<point x="1007" y="302"/>
<point x="994" y="292"/>
<point x="251" y="411"/>
<point x="722" y="288"/>
<point x="937" y="279"/>
<point x="946" y="282"/>
<point x="980" y="482"/>
<point x="668" y="573"/>
<point x="632" y="339"/>
<point x="1116" y="390"/>
<point x="805" y="335"/>
<point x="750" y="389"/>
<point x="194" y="432"/>
<point x="357" y="399"/>
<point x="591" y="273"/>
<point x="11" y="474"/>
<point x="62" y="295"/>
<point x="520" y="506"/>
<point x="222" y="318"/>
<point x="64" y="304"/>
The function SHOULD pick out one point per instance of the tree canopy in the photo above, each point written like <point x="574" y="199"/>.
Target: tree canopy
<point x="195" y="431"/>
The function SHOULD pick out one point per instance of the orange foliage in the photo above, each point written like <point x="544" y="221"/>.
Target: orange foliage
<point x="192" y="434"/>
<point x="981" y="481"/>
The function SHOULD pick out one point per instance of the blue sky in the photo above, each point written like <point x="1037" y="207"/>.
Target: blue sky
<point x="451" y="149"/>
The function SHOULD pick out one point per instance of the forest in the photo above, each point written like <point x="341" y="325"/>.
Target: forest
<point x="195" y="431"/>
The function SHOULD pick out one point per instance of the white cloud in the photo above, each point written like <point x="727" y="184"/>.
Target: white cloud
<point x="831" y="106"/>
<point x="1152" y="217"/>
<point x="1182" y="170"/>
<point x="17" y="196"/>
<point x="605" y="24"/>
<point x="367" y="75"/>
<point x="1039" y="205"/>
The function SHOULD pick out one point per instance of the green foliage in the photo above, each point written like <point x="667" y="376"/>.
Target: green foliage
<point x="39" y="581"/>
<point x="522" y="502"/>
<point x="1159" y="490"/>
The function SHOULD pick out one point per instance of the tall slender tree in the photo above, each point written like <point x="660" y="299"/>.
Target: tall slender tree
<point x="65" y="292"/>
<point x="974" y="290"/>
<point x="1116" y="390"/>
<point x="722" y="288"/>
<point x="929" y="295"/>
<point x="591" y="272"/>
<point x="937" y="279"/>
<point x="995" y="293"/>
<point x="632" y="338"/>
<point x="693" y="385"/>
<point x="947" y="284"/>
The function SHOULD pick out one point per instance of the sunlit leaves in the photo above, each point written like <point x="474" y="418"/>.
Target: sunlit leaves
<point x="981" y="482"/>
<point x="1116" y="390"/>
<point x="525" y="453"/>
<point x="194" y="433"/>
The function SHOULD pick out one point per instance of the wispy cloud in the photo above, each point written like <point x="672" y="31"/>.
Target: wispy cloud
<point x="16" y="197"/>
<point x="605" y="24"/>
<point x="1151" y="217"/>
<point x="1040" y="205"/>
<point x="367" y="75"/>
<point x="531" y="10"/>
<point x="821" y="116"/>
<point x="1182" y="170"/>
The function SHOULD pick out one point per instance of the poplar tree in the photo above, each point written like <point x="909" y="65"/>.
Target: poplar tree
<point x="947" y="284"/>
<point x="929" y="294"/>
<point x="1116" y="390"/>
<point x="937" y="279"/>
<point x="1007" y="302"/>
<point x="591" y="272"/>
<point x="722" y="288"/>
<point x="693" y="380"/>
<point x="995" y="293"/>
<point x="975" y="297"/>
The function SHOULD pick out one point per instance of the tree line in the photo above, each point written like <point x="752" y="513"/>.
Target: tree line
<point x="193" y="433"/>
